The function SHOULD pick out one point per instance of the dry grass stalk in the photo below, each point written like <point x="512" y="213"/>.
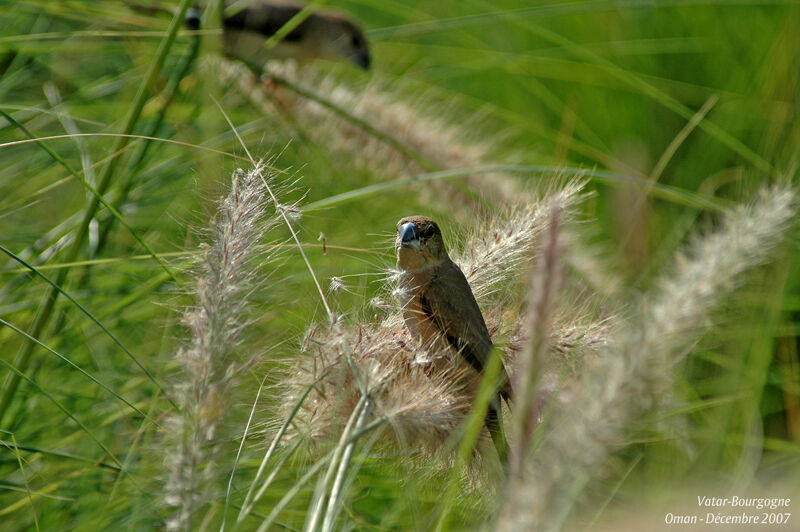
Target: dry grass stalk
<point x="543" y="291"/>
<point x="634" y="368"/>
<point x="208" y="359"/>
<point x="420" y="407"/>
<point x="394" y="139"/>
<point x="493" y="258"/>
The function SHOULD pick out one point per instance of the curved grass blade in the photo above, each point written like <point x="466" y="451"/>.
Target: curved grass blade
<point x="64" y="409"/>
<point x="91" y="317"/>
<point x="318" y="501"/>
<point x="293" y="491"/>
<point x="25" y="480"/>
<point x="48" y="302"/>
<point x="249" y="500"/>
<point x="127" y="136"/>
<point x="97" y="196"/>
<point x="673" y="194"/>
<point x="78" y="368"/>
<point x="60" y="454"/>
<point x="474" y="425"/>
<point x="236" y="460"/>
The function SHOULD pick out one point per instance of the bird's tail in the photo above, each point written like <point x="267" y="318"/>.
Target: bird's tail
<point x="506" y="391"/>
<point x="494" y="422"/>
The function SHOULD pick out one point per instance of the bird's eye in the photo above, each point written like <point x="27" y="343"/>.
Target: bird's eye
<point x="427" y="232"/>
<point x="355" y="41"/>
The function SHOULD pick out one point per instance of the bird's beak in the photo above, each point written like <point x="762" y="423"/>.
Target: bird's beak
<point x="362" y="59"/>
<point x="409" y="236"/>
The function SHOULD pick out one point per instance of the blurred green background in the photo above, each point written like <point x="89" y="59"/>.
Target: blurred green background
<point x="604" y="85"/>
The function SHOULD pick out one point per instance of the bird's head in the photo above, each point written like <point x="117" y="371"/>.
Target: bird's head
<point x="343" y="40"/>
<point x="419" y="243"/>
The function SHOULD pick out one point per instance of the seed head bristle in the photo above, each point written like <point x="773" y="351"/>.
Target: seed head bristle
<point x="632" y="370"/>
<point x="224" y="277"/>
<point x="386" y="135"/>
<point x="424" y="396"/>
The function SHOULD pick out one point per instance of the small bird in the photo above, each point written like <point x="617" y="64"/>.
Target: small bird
<point x="440" y="310"/>
<point x="323" y="35"/>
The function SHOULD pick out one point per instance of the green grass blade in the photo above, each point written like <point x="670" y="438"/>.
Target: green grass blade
<point x="473" y="428"/>
<point x="78" y="368"/>
<point x="97" y="196"/>
<point x="665" y="192"/>
<point x="83" y="309"/>
<point x="48" y="302"/>
<point x="60" y="454"/>
<point x="64" y="409"/>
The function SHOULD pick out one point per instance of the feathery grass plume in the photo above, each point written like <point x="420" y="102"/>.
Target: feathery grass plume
<point x="208" y="360"/>
<point x="493" y="258"/>
<point x="544" y="288"/>
<point x="595" y="264"/>
<point x="421" y="398"/>
<point x="420" y="407"/>
<point x="631" y="372"/>
<point x="385" y="134"/>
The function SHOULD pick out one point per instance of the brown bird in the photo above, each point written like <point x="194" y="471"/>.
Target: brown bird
<point x="439" y="308"/>
<point x="323" y="35"/>
<point x="246" y="27"/>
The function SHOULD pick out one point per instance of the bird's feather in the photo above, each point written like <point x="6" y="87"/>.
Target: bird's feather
<point x="266" y="19"/>
<point x="447" y="301"/>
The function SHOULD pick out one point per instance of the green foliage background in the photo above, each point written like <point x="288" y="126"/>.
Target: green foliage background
<point x="589" y="84"/>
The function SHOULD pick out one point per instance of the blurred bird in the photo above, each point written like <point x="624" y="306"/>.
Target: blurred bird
<point x="322" y="35"/>
<point x="439" y="308"/>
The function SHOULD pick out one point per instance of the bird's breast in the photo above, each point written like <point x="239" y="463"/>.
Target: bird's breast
<point x="420" y="325"/>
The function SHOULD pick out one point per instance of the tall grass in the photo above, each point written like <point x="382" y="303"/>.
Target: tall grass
<point x="616" y="180"/>
<point x="216" y="322"/>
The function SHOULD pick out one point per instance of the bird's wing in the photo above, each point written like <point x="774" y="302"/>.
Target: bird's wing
<point x="449" y="303"/>
<point x="266" y="19"/>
